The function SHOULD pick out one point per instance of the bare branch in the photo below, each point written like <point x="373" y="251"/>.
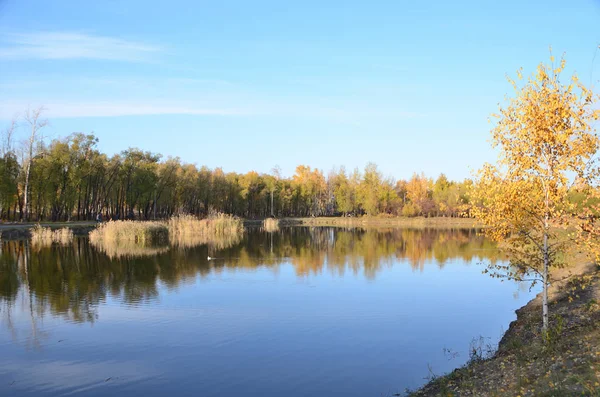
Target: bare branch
<point x="7" y="136"/>
<point x="33" y="119"/>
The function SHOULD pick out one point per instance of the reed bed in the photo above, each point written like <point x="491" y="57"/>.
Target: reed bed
<point x="219" y="230"/>
<point x="45" y="236"/>
<point x="137" y="238"/>
<point x="270" y="225"/>
<point x="136" y="232"/>
<point x="62" y="236"/>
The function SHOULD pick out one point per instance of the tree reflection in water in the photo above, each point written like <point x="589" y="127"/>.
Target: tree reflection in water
<point x="71" y="281"/>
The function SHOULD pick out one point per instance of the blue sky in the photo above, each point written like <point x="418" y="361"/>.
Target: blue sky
<point x="250" y="85"/>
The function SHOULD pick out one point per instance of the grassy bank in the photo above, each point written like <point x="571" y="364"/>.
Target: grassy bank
<point x="364" y="221"/>
<point x="564" y="363"/>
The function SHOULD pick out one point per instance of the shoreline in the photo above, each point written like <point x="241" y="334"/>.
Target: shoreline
<point x="567" y="365"/>
<point x="375" y="221"/>
<point x="15" y="231"/>
<point x="11" y="231"/>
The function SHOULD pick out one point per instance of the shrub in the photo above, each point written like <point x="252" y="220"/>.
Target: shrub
<point x="410" y="210"/>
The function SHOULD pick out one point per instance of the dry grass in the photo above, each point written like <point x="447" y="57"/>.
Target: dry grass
<point x="41" y="236"/>
<point x="378" y="221"/>
<point x="44" y="236"/>
<point x="120" y="232"/>
<point x="137" y="238"/>
<point x="271" y="225"/>
<point x="219" y="230"/>
<point x="62" y="236"/>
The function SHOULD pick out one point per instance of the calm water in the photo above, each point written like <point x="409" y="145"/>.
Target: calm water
<point x="301" y="312"/>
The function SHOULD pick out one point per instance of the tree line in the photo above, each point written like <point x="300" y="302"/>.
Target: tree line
<point x="70" y="179"/>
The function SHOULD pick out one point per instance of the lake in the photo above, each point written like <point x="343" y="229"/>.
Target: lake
<point x="299" y="312"/>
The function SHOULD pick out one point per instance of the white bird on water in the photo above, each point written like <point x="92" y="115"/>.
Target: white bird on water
<point x="209" y="258"/>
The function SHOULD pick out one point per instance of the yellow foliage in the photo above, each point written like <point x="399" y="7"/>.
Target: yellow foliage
<point x="546" y="139"/>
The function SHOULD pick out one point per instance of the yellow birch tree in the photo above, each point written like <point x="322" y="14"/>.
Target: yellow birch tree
<point x="546" y="140"/>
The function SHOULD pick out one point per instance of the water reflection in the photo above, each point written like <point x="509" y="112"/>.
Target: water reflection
<point x="302" y="311"/>
<point x="132" y="249"/>
<point x="71" y="281"/>
<point x="129" y="249"/>
<point x="220" y="242"/>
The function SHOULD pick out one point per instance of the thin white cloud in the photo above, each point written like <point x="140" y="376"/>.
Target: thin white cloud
<point x="339" y="112"/>
<point x="127" y="84"/>
<point x="116" y="109"/>
<point x="68" y="45"/>
<point x="184" y="80"/>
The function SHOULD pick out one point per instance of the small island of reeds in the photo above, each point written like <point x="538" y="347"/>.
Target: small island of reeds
<point x="127" y="237"/>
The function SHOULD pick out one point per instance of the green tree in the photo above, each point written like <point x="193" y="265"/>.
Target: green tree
<point x="369" y="190"/>
<point x="343" y="192"/>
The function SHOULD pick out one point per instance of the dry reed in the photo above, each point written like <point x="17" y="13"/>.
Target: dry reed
<point x="45" y="236"/>
<point x="137" y="232"/>
<point x="137" y="238"/>
<point x="220" y="230"/>
<point x="271" y="225"/>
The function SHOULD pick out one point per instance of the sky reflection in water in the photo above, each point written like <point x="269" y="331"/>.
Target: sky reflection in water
<point x="303" y="311"/>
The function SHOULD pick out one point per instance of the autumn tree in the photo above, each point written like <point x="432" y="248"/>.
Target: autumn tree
<point x="310" y="186"/>
<point x="418" y="195"/>
<point x="369" y="190"/>
<point x="546" y="140"/>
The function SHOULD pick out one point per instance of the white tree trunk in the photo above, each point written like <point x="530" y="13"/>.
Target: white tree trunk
<point x="26" y="191"/>
<point x="545" y="282"/>
<point x="32" y="117"/>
